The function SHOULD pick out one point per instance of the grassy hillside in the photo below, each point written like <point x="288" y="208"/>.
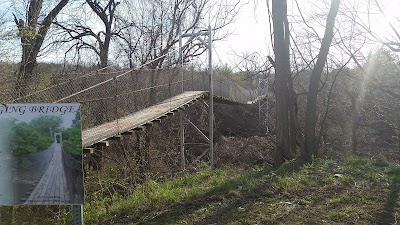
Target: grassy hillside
<point x="354" y="191"/>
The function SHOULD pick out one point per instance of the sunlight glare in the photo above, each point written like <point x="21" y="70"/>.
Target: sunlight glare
<point x="390" y="16"/>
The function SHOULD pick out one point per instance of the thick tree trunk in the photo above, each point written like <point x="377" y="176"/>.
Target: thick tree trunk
<point x="282" y="72"/>
<point x="311" y="113"/>
<point x="28" y="61"/>
<point x="105" y="47"/>
<point x="282" y="127"/>
<point x="24" y="77"/>
<point x="104" y="57"/>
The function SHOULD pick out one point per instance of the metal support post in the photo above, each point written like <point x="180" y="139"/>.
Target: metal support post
<point x="77" y="214"/>
<point x="262" y="98"/>
<point x="182" y="137"/>
<point x="259" y="100"/>
<point x="266" y="102"/>
<point x="181" y="115"/>
<point x="211" y="92"/>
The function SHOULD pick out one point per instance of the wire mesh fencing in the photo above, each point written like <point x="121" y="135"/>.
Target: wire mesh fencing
<point x="108" y="95"/>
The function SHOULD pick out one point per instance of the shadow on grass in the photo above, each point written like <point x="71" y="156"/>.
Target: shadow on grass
<point x="220" y="204"/>
<point x="388" y="215"/>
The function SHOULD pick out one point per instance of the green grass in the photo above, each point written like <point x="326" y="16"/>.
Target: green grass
<point x="357" y="190"/>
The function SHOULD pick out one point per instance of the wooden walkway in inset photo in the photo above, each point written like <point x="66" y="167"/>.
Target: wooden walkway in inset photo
<point x="52" y="187"/>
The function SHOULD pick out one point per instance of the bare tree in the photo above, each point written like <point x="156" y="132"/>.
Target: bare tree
<point x="153" y="30"/>
<point x="32" y="34"/>
<point x="6" y="34"/>
<point x="84" y="36"/>
<point x="151" y="34"/>
<point x="311" y="111"/>
<point x="379" y="97"/>
<point x="288" y="130"/>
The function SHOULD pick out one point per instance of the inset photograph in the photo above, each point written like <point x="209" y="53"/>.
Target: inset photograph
<point x="41" y="154"/>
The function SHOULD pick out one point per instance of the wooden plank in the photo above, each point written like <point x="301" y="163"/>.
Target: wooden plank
<point x="88" y="150"/>
<point x="103" y="143"/>
<point x="156" y="121"/>
<point x="128" y="132"/>
<point x="149" y="124"/>
<point x="140" y="128"/>
<point x="116" y="137"/>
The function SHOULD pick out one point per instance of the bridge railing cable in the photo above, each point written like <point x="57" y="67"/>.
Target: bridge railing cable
<point x="226" y="86"/>
<point x="106" y="95"/>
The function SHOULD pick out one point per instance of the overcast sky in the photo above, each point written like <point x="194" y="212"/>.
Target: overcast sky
<point x="250" y="32"/>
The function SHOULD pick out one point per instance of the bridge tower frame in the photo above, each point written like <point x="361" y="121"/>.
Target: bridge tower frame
<point x="262" y="98"/>
<point x="58" y="134"/>
<point x="208" y="44"/>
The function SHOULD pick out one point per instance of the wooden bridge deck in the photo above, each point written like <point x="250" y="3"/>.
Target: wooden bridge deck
<point x="102" y="132"/>
<point x="52" y="187"/>
<point x="96" y="134"/>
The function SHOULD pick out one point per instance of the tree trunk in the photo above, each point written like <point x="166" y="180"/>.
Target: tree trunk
<point x="296" y="137"/>
<point x="398" y="133"/>
<point x="282" y="72"/>
<point x="311" y="110"/>
<point x="107" y="15"/>
<point x="354" y="141"/>
<point x="105" y="47"/>
<point x="24" y="77"/>
<point x="28" y="60"/>
<point x="103" y="56"/>
<point x="354" y="123"/>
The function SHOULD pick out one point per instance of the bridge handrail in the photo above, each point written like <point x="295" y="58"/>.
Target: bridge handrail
<point x="73" y="173"/>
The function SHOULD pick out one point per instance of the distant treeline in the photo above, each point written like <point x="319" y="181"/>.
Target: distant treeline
<point x="72" y="138"/>
<point x="33" y="136"/>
